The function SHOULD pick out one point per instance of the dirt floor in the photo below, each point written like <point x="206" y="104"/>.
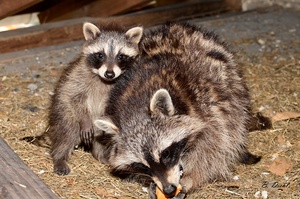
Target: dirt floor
<point x="267" y="43"/>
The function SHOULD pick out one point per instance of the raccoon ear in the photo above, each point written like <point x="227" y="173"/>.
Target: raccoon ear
<point x="90" y="31"/>
<point x="106" y="125"/>
<point x="135" y="34"/>
<point x="161" y="102"/>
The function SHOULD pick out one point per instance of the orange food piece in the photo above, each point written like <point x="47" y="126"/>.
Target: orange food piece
<point x="161" y="195"/>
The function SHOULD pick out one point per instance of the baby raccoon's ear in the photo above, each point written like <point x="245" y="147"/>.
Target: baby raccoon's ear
<point x="106" y="125"/>
<point x="161" y="102"/>
<point x="90" y="31"/>
<point x="134" y="34"/>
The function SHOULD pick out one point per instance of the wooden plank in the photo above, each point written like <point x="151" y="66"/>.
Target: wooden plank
<point x="17" y="181"/>
<point x="57" y="11"/>
<point x="89" y="9"/>
<point x="11" y="7"/>
<point x="170" y="2"/>
<point x="235" y="5"/>
<point x="175" y="12"/>
<point x="71" y="30"/>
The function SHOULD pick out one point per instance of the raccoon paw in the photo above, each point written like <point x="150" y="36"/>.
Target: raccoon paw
<point x="180" y="195"/>
<point x="61" y="168"/>
<point x="87" y="132"/>
<point x="87" y="137"/>
<point x="29" y="139"/>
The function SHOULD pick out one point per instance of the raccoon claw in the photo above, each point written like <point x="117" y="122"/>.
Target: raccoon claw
<point x="87" y="137"/>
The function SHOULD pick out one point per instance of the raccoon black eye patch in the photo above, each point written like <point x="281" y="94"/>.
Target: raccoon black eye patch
<point x="170" y="156"/>
<point x="96" y="59"/>
<point x="139" y="168"/>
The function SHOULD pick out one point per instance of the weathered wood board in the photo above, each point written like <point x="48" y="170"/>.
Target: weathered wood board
<point x="17" y="180"/>
<point x="69" y="9"/>
<point x="11" y="7"/>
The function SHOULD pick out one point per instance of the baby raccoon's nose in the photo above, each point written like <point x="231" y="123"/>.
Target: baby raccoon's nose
<point x="109" y="74"/>
<point x="170" y="190"/>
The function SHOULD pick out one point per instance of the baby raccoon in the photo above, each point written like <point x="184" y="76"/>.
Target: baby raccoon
<point x="81" y="93"/>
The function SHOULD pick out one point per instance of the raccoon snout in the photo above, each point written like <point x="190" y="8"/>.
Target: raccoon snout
<point x="170" y="190"/>
<point x="109" y="74"/>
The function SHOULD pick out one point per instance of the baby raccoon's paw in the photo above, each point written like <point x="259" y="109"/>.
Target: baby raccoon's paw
<point x="61" y="168"/>
<point x="87" y="137"/>
<point x="86" y="132"/>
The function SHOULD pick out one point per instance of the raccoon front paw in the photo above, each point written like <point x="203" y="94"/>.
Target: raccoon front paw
<point x="86" y="132"/>
<point x="87" y="137"/>
<point x="180" y="195"/>
<point x="61" y="168"/>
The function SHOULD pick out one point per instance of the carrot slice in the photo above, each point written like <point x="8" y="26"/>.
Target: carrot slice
<point x="161" y="195"/>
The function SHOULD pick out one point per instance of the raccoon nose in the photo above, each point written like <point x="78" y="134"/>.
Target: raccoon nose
<point x="170" y="190"/>
<point x="109" y="74"/>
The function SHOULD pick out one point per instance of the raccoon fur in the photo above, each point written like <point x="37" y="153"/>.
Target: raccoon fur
<point x="81" y="93"/>
<point x="180" y="116"/>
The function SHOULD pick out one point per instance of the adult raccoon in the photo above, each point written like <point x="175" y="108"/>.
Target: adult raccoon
<point x="180" y="115"/>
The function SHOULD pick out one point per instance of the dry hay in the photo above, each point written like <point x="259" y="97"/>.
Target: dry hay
<point x="274" y="86"/>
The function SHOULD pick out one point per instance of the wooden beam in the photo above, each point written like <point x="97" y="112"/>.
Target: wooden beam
<point x="235" y="5"/>
<point x="71" y="30"/>
<point x="170" y="2"/>
<point x="17" y="180"/>
<point x="89" y="9"/>
<point x="55" y="12"/>
<point x="8" y="8"/>
<point x="175" y="12"/>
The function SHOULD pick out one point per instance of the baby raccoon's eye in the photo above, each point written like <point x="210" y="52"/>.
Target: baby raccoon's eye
<point x="121" y="57"/>
<point x="100" y="56"/>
